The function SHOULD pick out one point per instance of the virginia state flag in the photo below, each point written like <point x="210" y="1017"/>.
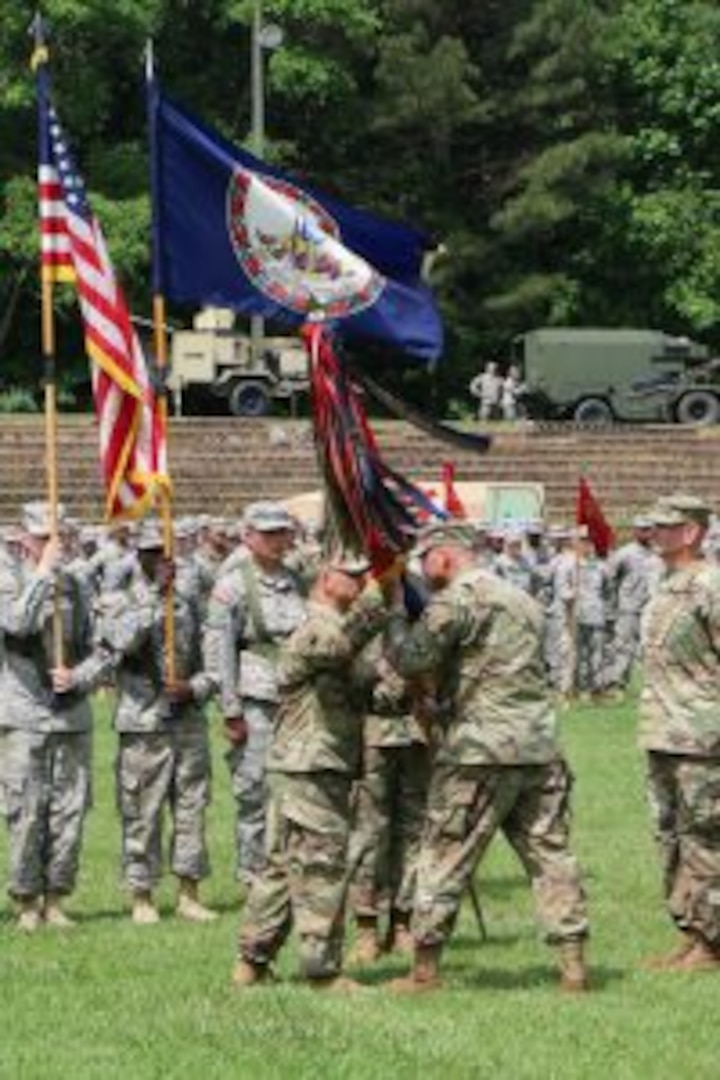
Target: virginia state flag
<point x="231" y="231"/>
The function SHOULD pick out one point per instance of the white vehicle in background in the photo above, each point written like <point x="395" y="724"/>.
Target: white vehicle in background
<point x="215" y="356"/>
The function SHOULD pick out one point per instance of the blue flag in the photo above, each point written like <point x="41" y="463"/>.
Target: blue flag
<point x="231" y="231"/>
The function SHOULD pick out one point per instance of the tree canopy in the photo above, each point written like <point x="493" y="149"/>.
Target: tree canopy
<point x="562" y="152"/>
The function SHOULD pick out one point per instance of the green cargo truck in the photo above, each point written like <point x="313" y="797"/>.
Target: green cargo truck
<point x="596" y="376"/>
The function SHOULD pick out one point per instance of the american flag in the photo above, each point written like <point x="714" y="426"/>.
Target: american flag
<point x="132" y="429"/>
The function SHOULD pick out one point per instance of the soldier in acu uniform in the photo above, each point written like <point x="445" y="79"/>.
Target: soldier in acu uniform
<point x="163" y="750"/>
<point x="45" y="722"/>
<point x="314" y="758"/>
<point x="252" y="610"/>
<point x="680" y="730"/>
<point x="633" y="573"/>
<point x="499" y="765"/>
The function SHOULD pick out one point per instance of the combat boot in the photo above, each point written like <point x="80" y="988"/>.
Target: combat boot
<point x="189" y="906"/>
<point x="366" y="949"/>
<point x="54" y="915"/>
<point x="425" y="974"/>
<point x="670" y="960"/>
<point x="573" y="969"/>
<point x="144" y="912"/>
<point x="399" y="939"/>
<point x="30" y="915"/>
<point x="245" y="974"/>
<point x="701" y="956"/>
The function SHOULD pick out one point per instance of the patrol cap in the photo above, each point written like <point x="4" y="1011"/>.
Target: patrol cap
<point x="90" y="534"/>
<point x="534" y="526"/>
<point x="514" y="532"/>
<point x="149" y="537"/>
<point x="445" y="533"/>
<point x="681" y="509"/>
<point x="267" y="517"/>
<point x="560" y="532"/>
<point x="643" y="521"/>
<point x="353" y="565"/>
<point x="36" y="518"/>
<point x="12" y="534"/>
<point x="184" y="528"/>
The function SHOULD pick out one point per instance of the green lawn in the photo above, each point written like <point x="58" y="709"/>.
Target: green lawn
<point x="113" y="1000"/>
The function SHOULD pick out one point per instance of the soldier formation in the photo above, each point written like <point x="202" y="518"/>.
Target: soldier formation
<point x="380" y="729"/>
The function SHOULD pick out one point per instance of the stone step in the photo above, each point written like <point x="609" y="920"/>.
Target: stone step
<point x="222" y="463"/>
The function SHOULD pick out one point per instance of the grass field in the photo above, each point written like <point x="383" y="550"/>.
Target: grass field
<point x="113" y="1000"/>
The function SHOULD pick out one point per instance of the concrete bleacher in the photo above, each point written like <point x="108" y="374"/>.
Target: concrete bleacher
<point x="220" y="464"/>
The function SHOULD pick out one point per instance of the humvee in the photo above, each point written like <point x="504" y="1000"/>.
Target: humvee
<point x="216" y="356"/>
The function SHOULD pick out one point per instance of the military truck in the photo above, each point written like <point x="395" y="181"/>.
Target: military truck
<point x="215" y="356"/>
<point x="597" y="376"/>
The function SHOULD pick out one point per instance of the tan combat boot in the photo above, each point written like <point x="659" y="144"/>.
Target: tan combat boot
<point x="366" y="949"/>
<point x="53" y="913"/>
<point x="425" y="974"/>
<point x="573" y="969"/>
<point x="246" y="974"/>
<point x="144" y="912"/>
<point x="670" y="960"/>
<point x="30" y="914"/>
<point x="189" y="906"/>
<point x="701" y="956"/>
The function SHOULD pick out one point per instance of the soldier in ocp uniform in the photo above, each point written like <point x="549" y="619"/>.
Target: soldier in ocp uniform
<point x="499" y="764"/>
<point x="252" y="610"/>
<point x="45" y="722"/>
<point x="313" y="759"/>
<point x="680" y="730"/>
<point x="163" y="758"/>
<point x="389" y="808"/>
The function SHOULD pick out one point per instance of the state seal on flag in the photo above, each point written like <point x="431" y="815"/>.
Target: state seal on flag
<point x="290" y="248"/>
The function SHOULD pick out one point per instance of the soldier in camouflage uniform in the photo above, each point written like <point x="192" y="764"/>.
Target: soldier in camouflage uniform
<point x="252" y="610"/>
<point x="163" y="748"/>
<point x="499" y="765"/>
<point x="213" y="548"/>
<point x="314" y="758"/>
<point x="389" y="804"/>
<point x="560" y="623"/>
<point x="512" y="563"/>
<point x="45" y="723"/>
<point x="680" y="730"/>
<point x="590" y="606"/>
<point x="633" y="572"/>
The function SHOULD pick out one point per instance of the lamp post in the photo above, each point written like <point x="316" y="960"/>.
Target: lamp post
<point x="257" y="82"/>
<point x="264" y="38"/>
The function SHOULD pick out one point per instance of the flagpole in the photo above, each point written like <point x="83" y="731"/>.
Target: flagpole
<point x="47" y="335"/>
<point x="160" y="342"/>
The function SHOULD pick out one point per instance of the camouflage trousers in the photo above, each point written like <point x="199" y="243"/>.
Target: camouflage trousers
<point x="305" y="877"/>
<point x="559" y="653"/>
<point x="389" y="810"/>
<point x="626" y="643"/>
<point x="157" y="770"/>
<point x="590" y="656"/>
<point x="684" y="798"/>
<point x="467" y="804"/>
<point x="46" y="781"/>
<point x="247" y="776"/>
